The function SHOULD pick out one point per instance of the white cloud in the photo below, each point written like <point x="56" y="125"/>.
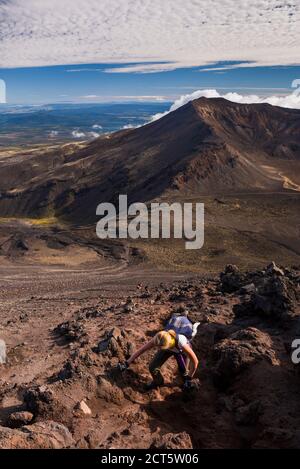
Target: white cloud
<point x="78" y="70"/>
<point x="144" y="68"/>
<point x="85" y="135"/>
<point x="78" y="134"/>
<point x="93" y="134"/>
<point x="291" y="100"/>
<point x="233" y="66"/>
<point x="2" y="92"/>
<point x="116" y="98"/>
<point x="90" y="96"/>
<point x="155" y="35"/>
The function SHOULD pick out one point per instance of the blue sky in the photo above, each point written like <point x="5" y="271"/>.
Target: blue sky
<point x="146" y="49"/>
<point x="90" y="83"/>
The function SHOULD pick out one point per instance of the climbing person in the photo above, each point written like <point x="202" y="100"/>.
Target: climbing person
<point x="173" y="341"/>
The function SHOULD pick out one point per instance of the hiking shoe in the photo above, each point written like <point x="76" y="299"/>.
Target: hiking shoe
<point x="151" y="386"/>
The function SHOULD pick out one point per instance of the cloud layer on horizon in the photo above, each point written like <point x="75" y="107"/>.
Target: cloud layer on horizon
<point x="291" y="100"/>
<point x="148" y="35"/>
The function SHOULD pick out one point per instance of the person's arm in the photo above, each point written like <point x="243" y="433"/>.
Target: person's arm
<point x="140" y="351"/>
<point x="187" y="349"/>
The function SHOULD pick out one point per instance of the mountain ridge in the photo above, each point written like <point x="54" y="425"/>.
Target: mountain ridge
<point x="208" y="146"/>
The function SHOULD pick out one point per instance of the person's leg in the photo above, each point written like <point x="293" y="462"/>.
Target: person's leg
<point x="187" y="363"/>
<point x="158" y="360"/>
<point x="182" y="364"/>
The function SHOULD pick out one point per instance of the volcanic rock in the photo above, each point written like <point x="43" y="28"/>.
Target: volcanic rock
<point x="275" y="296"/>
<point x="43" y="404"/>
<point x="239" y="351"/>
<point x="83" y="408"/>
<point x="40" y="435"/>
<point x="248" y="289"/>
<point x="173" y="441"/>
<point x="76" y="366"/>
<point x="231" y="279"/>
<point x="248" y="414"/>
<point x="115" y="344"/>
<point x="70" y="330"/>
<point x="18" y="419"/>
<point x="273" y="269"/>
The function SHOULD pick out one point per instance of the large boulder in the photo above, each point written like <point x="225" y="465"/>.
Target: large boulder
<point x="275" y="296"/>
<point x="115" y="344"/>
<point x="236" y="353"/>
<point x="41" y="435"/>
<point x="14" y="246"/>
<point x="43" y="404"/>
<point x="231" y="279"/>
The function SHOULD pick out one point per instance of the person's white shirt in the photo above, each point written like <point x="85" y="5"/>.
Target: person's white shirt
<point x="181" y="341"/>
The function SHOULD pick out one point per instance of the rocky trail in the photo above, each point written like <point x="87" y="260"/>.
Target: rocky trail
<point x="61" y="386"/>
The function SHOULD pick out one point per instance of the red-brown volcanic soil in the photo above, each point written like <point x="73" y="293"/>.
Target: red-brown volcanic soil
<point x="53" y="320"/>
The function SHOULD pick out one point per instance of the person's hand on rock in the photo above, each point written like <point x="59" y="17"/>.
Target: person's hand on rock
<point x="123" y="366"/>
